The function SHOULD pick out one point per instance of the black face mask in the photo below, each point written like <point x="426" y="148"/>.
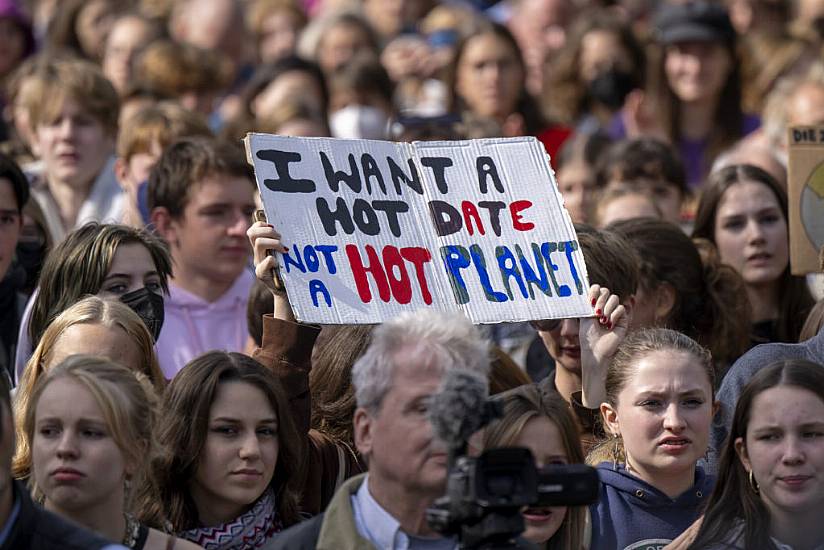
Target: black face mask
<point x="149" y="306"/>
<point x="30" y="257"/>
<point x="611" y="87"/>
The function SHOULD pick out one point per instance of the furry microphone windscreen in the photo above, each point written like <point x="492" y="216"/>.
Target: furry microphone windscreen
<point x="457" y="410"/>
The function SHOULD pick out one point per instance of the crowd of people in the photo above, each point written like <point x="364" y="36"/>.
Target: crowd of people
<point x="156" y="390"/>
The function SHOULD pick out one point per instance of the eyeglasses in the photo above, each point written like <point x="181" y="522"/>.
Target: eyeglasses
<point x="546" y="325"/>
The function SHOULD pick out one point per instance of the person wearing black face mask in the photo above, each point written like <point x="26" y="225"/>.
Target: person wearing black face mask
<point x="128" y="261"/>
<point x="611" y="86"/>
<point x="590" y="78"/>
<point x="31" y="249"/>
<point x="149" y="306"/>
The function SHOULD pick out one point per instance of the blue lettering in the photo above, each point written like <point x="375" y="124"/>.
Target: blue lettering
<point x="456" y="258"/>
<point x="316" y="287"/>
<point x="480" y="264"/>
<point x="509" y="268"/>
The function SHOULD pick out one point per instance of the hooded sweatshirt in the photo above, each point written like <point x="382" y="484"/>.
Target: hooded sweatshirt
<point x="193" y="326"/>
<point x="103" y="204"/>
<point x="631" y="514"/>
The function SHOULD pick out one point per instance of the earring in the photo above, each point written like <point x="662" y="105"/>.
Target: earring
<point x="753" y="483"/>
<point x="615" y="451"/>
<point x="127" y="489"/>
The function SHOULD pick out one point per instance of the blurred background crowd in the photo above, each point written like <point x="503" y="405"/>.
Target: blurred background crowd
<point x="127" y="245"/>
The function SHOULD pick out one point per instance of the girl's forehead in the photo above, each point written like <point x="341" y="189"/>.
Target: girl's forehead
<point x="671" y="370"/>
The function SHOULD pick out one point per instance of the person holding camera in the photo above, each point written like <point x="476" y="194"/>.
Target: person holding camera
<point x="657" y="400"/>
<point x="542" y="422"/>
<point x="394" y="382"/>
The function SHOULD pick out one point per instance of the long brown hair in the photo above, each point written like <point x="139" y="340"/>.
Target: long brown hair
<point x="521" y="405"/>
<point x="183" y="427"/>
<point x="708" y="305"/>
<point x="330" y="382"/>
<point x="794" y="299"/>
<point x="564" y="92"/>
<point x="525" y="105"/>
<point x="733" y="499"/>
<point x="729" y="117"/>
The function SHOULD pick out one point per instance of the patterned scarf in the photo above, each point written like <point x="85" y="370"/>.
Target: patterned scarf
<point x="250" y="530"/>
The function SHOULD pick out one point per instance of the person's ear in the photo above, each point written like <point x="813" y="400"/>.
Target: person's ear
<point x="664" y="300"/>
<point x="363" y="422"/>
<point x="121" y="172"/>
<point x="716" y="406"/>
<point x="629" y="306"/>
<point x="163" y="223"/>
<point x="610" y="417"/>
<point x="34" y="144"/>
<point x="741" y="451"/>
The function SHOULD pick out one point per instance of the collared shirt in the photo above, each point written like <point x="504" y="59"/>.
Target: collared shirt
<point x="384" y="532"/>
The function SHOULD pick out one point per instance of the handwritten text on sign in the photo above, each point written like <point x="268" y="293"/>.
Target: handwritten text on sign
<point x="375" y="227"/>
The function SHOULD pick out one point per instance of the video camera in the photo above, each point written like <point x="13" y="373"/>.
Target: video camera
<point x="485" y="495"/>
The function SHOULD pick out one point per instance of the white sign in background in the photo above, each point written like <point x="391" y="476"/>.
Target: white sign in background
<point x="359" y="218"/>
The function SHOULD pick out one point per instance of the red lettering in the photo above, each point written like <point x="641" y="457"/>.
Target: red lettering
<point x="359" y="272"/>
<point x="391" y="276"/>
<point x="469" y="212"/>
<point x="401" y="287"/>
<point x="515" y="209"/>
<point x="419" y="256"/>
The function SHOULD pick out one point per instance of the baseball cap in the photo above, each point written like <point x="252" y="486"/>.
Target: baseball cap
<point x="693" y="22"/>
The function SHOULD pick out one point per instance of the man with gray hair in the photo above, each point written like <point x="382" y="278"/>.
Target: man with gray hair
<point x="394" y="382"/>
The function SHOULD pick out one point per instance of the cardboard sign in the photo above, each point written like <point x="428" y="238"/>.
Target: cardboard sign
<point x="806" y="194"/>
<point x="375" y="227"/>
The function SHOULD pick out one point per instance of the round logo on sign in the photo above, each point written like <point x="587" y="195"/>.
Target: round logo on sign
<point x="812" y="205"/>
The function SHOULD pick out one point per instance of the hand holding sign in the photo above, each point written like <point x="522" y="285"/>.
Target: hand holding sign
<point x="264" y="240"/>
<point x="599" y="338"/>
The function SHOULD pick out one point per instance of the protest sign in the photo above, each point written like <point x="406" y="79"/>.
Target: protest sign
<point x="374" y="228"/>
<point x="806" y="195"/>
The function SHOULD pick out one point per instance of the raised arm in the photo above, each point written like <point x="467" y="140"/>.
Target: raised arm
<point x="286" y="346"/>
<point x="599" y="338"/>
<point x="265" y="242"/>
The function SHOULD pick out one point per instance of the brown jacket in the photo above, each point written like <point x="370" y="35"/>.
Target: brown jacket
<point x="287" y="350"/>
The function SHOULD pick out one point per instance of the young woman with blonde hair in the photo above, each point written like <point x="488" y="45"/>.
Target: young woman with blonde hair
<point x="655" y="391"/>
<point x="92" y="326"/>
<point x="89" y="428"/>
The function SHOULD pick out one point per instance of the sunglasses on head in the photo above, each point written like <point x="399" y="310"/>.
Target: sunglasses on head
<point x="546" y="325"/>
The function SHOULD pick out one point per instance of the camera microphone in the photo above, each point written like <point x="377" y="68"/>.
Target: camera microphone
<point x="460" y="408"/>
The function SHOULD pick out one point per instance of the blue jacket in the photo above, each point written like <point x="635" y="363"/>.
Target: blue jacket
<point x="633" y="515"/>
